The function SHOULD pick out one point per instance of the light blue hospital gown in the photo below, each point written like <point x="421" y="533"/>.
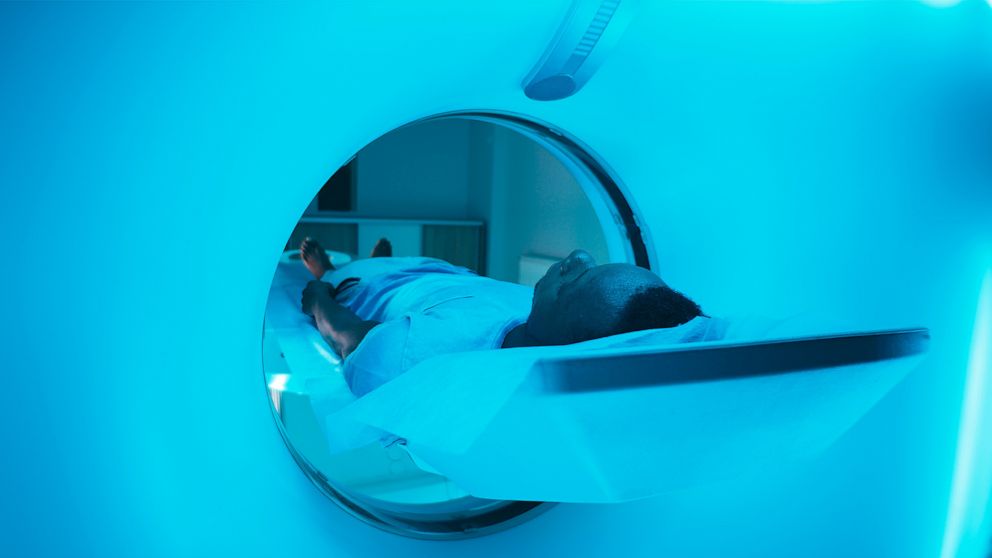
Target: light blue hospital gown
<point x="427" y="307"/>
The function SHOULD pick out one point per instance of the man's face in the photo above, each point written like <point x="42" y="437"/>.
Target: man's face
<point x="561" y="274"/>
<point x="578" y="300"/>
<point x="550" y="312"/>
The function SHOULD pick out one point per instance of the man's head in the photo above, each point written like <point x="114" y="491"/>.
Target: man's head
<point x="577" y="300"/>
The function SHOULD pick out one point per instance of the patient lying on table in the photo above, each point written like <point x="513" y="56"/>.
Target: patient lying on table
<point x="385" y="314"/>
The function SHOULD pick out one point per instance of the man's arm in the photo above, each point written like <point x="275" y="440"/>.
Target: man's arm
<point x="341" y="328"/>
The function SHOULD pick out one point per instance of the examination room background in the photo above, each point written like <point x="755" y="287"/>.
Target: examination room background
<point x="783" y="157"/>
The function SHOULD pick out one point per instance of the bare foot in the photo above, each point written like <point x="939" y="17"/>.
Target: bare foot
<point x="315" y="258"/>
<point x="382" y="249"/>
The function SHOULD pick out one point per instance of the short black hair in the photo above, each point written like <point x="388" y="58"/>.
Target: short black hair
<point x="656" y="307"/>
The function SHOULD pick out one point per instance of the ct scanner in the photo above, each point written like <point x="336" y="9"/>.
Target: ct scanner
<point x="778" y="157"/>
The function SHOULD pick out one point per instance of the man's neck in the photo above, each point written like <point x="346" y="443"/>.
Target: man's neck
<point x="519" y="337"/>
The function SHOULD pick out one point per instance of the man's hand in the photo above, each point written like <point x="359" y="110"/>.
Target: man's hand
<point x="314" y="293"/>
<point x="339" y="326"/>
